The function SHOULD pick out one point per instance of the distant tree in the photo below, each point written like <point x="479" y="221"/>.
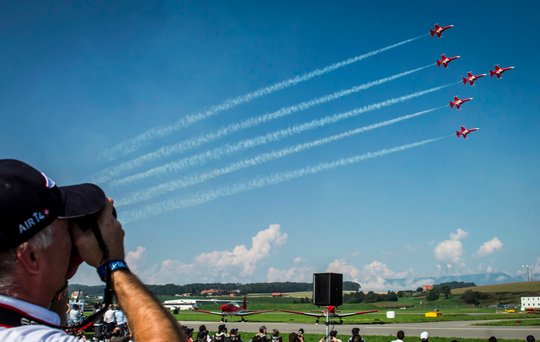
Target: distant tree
<point x="473" y="297"/>
<point x="433" y="294"/>
<point x="420" y="289"/>
<point x="457" y="284"/>
<point x="391" y="297"/>
<point x="445" y="290"/>
<point x="351" y="286"/>
<point x="470" y="297"/>
<point x="354" y="297"/>
<point x="406" y="293"/>
<point x="371" y="297"/>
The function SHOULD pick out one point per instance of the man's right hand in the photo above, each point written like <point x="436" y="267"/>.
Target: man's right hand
<point x="111" y="232"/>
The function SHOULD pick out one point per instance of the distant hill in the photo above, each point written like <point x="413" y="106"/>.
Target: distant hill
<point x="531" y="288"/>
<point x="478" y="279"/>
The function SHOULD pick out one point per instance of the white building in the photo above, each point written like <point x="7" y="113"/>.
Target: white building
<point x="530" y="303"/>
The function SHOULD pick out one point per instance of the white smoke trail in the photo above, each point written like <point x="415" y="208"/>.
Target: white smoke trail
<point x="256" y="183"/>
<point x="227" y="150"/>
<point x="145" y="138"/>
<point x="198" y="178"/>
<point x="192" y="143"/>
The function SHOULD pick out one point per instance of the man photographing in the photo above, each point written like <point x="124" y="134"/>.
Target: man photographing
<point x="41" y="247"/>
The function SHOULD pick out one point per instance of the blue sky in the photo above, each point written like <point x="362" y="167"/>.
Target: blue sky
<point x="276" y="201"/>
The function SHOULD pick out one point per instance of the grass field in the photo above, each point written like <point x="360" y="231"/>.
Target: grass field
<point x="407" y="309"/>
<point x="373" y="318"/>
<point x="522" y="287"/>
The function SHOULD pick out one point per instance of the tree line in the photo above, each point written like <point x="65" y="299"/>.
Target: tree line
<point x="195" y="289"/>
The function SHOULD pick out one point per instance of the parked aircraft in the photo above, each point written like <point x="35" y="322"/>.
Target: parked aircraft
<point x="332" y="314"/>
<point x="471" y="78"/>
<point x="233" y="309"/>
<point x="438" y="30"/>
<point x="445" y="60"/>
<point x="465" y="131"/>
<point x="190" y="303"/>
<point x="458" y="102"/>
<point x="498" y="71"/>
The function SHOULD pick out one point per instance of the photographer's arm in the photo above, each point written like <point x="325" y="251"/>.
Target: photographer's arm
<point x="148" y="319"/>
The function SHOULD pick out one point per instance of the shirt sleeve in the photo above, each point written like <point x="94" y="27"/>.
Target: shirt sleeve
<point x="35" y="333"/>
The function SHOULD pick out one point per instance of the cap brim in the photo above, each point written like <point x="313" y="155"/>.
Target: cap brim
<point x="81" y="200"/>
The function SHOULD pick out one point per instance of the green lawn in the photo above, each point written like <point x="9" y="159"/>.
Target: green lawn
<point x="373" y="318"/>
<point x="414" y="308"/>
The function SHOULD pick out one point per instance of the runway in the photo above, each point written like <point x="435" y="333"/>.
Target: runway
<point x="457" y="329"/>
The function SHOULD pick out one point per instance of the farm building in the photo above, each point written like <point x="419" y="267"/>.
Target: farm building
<point x="530" y="303"/>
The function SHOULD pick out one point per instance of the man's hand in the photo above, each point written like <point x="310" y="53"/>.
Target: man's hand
<point x="111" y="232"/>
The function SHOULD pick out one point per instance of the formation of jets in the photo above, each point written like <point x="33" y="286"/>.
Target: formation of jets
<point x="234" y="309"/>
<point x="471" y="78"/>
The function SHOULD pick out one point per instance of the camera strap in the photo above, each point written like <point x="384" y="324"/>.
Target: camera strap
<point x="11" y="317"/>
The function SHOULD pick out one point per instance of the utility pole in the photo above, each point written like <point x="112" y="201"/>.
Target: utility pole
<point x="529" y="271"/>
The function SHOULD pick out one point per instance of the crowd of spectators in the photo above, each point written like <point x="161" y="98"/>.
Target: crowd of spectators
<point x="223" y="335"/>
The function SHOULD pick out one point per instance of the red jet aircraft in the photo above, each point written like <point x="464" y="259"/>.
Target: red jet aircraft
<point x="465" y="131"/>
<point x="331" y="313"/>
<point x="233" y="309"/>
<point x="438" y="30"/>
<point x="498" y="71"/>
<point x="471" y="78"/>
<point x="458" y="102"/>
<point x="445" y="60"/>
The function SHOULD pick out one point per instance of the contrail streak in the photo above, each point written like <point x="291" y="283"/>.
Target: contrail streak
<point x="192" y="143"/>
<point x="198" y="178"/>
<point x="145" y="138"/>
<point x="227" y="150"/>
<point x="258" y="182"/>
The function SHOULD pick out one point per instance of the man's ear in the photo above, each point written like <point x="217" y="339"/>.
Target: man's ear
<point x="27" y="257"/>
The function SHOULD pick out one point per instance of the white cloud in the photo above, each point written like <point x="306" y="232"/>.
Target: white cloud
<point x="449" y="252"/>
<point x="483" y="268"/>
<point x="460" y="234"/>
<point x="234" y="265"/>
<point x="348" y="271"/>
<point x="298" y="260"/>
<point x="295" y="274"/>
<point x="489" y="247"/>
<point x="133" y="258"/>
<point x="371" y="277"/>
<point x="262" y="244"/>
